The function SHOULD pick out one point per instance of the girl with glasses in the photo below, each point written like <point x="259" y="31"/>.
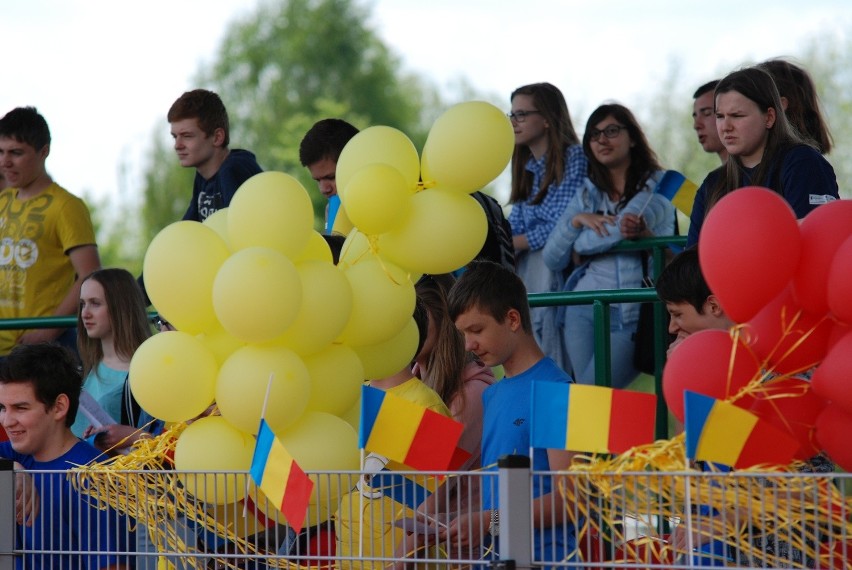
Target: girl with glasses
<point x="764" y="149"/>
<point x="616" y="201"/>
<point x="548" y="166"/>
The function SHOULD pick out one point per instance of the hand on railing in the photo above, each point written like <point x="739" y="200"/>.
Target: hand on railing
<point x="27" y="499"/>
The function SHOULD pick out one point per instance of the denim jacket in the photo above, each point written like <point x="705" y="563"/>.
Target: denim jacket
<point x="604" y="270"/>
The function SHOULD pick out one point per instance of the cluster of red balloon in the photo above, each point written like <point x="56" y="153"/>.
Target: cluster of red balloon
<point x="268" y="325"/>
<point x="787" y="284"/>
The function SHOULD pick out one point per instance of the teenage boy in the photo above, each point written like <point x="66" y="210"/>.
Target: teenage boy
<point x="47" y="242"/>
<point x="39" y="394"/>
<point x="200" y="128"/>
<point x="689" y="301"/>
<point x="704" y="119"/>
<point x="320" y="150"/>
<point x="489" y="306"/>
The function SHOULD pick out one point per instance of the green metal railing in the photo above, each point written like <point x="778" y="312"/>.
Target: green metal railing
<point x="601" y="300"/>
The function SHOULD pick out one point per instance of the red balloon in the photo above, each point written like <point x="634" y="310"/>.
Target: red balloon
<point x="837" y="332"/>
<point x="791" y="339"/>
<point x="839" y="289"/>
<point x="833" y="427"/>
<point x="700" y="364"/>
<point x="790" y="405"/>
<point x="831" y="381"/>
<point x="823" y="232"/>
<point x="749" y="249"/>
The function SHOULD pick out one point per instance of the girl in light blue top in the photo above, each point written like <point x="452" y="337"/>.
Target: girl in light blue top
<point x="111" y="324"/>
<point x="616" y="202"/>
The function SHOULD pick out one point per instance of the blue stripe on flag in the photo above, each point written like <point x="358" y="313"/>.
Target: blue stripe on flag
<point x="400" y="488"/>
<point x="371" y="403"/>
<point x="549" y="415"/>
<point x="265" y="439"/>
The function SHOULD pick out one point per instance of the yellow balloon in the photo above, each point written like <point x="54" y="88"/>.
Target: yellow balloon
<point x="257" y="294"/>
<point x="220" y="343"/>
<point x="179" y="269"/>
<point x="271" y="209"/>
<point x="444" y="232"/>
<point x="355" y="248"/>
<point x="242" y="384"/>
<point x="173" y="376"/>
<point x="468" y="147"/>
<point x="336" y="378"/>
<point x="381" y="144"/>
<point x="377" y="198"/>
<point x="323" y="442"/>
<point x="389" y="357"/>
<point x="382" y="302"/>
<point x="317" y="249"/>
<point x="212" y="444"/>
<point x="218" y="222"/>
<point x="324" y="310"/>
<point x="352" y="416"/>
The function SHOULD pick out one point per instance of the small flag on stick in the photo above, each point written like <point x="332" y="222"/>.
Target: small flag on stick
<point x="720" y="432"/>
<point x="590" y="419"/>
<point x="407" y="433"/>
<point x="280" y="478"/>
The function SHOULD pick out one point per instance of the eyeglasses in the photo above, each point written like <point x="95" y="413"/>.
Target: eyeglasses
<point x="609" y="132"/>
<point x="521" y="116"/>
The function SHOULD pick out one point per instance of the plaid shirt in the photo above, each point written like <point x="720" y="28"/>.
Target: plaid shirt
<point x="537" y="221"/>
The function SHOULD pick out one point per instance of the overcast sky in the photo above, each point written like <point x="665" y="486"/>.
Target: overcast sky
<point x="104" y="72"/>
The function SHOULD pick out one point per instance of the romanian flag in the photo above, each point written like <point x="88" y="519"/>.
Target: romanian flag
<point x="407" y="433"/>
<point x="408" y="489"/>
<point x="590" y="419"/>
<point x="280" y="478"/>
<point x="678" y="189"/>
<point x="720" y="432"/>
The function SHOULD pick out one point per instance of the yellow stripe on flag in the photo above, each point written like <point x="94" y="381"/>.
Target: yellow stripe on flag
<point x="276" y="473"/>
<point x="589" y="410"/>
<point x="395" y="427"/>
<point x="724" y="434"/>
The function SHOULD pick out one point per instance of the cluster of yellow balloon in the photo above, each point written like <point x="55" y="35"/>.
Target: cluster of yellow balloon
<point x="261" y="309"/>
<point x="418" y="213"/>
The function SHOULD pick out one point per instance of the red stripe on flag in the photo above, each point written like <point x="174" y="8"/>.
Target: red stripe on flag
<point x="766" y="445"/>
<point x="631" y="420"/>
<point x="460" y="457"/>
<point x="434" y="443"/>
<point x="297" y="497"/>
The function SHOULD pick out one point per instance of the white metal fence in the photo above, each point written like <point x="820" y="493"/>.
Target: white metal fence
<point x="147" y="519"/>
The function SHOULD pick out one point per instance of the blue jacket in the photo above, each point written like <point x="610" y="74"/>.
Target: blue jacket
<point x="604" y="270"/>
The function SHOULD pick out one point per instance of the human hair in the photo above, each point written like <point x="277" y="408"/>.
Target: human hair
<point x="127" y="318"/>
<point x="492" y="289"/>
<point x="682" y="281"/>
<point x="335" y="244"/>
<point x="26" y="125"/>
<point x="643" y="159"/>
<point x="421" y="319"/>
<point x="206" y="107"/>
<point x="803" y="107"/>
<point x="447" y="361"/>
<point x="51" y="369"/>
<point x="325" y="139"/>
<point x="756" y="85"/>
<point x="548" y="101"/>
<point x="706" y="88"/>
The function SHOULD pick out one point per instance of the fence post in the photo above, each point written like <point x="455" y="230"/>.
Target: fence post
<point x="7" y="515"/>
<point x="603" y="349"/>
<point x="515" y="498"/>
